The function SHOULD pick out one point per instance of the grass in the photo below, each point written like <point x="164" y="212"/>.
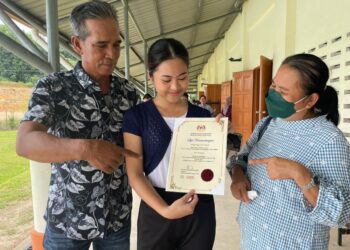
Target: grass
<point x="14" y="171"/>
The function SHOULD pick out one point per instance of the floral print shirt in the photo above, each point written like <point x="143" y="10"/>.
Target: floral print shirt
<point x="84" y="202"/>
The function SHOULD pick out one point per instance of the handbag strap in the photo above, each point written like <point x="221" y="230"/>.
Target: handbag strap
<point x="243" y="159"/>
<point x="264" y="127"/>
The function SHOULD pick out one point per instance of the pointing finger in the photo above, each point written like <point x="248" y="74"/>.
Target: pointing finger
<point x="129" y="153"/>
<point x="263" y="161"/>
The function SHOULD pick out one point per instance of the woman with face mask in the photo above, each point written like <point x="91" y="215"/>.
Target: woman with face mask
<point x="299" y="167"/>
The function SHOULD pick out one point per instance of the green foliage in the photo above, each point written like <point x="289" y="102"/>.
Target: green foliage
<point x="13" y="68"/>
<point x="12" y="123"/>
<point x="69" y="58"/>
<point x="14" y="171"/>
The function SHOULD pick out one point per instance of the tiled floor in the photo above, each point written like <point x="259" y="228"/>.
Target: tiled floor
<point x="227" y="232"/>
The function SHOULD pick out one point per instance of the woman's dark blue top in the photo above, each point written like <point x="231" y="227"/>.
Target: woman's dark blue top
<point x="144" y="120"/>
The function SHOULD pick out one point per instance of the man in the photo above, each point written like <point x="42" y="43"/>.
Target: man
<point x="203" y="104"/>
<point x="74" y="121"/>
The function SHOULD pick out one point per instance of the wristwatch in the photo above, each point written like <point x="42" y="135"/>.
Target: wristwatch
<point x="315" y="180"/>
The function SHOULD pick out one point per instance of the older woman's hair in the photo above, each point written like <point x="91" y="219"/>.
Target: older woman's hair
<point x="90" y="10"/>
<point x="314" y="75"/>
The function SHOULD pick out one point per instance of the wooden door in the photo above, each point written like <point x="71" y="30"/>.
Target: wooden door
<point x="225" y="92"/>
<point x="265" y="81"/>
<point x="214" y="97"/>
<point x="242" y="103"/>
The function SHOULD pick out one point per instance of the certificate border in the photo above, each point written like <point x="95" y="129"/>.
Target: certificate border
<point x="172" y="186"/>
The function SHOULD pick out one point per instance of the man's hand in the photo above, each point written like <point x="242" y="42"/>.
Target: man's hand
<point x="105" y="155"/>
<point x="34" y="143"/>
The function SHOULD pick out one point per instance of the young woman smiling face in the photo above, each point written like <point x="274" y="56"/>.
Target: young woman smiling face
<point x="171" y="81"/>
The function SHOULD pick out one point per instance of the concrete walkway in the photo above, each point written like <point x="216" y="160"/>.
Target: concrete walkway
<point x="227" y="231"/>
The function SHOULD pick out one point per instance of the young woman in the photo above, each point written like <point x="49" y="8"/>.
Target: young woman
<point x="300" y="167"/>
<point x="166" y="220"/>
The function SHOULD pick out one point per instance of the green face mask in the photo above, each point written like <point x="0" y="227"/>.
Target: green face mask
<point x="278" y="107"/>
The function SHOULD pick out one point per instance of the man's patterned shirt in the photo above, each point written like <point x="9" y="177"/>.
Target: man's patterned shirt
<point x="84" y="202"/>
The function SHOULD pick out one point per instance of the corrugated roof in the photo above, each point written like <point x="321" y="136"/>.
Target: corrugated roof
<point x="198" y="24"/>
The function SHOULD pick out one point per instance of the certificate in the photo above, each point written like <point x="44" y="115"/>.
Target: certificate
<point x="198" y="156"/>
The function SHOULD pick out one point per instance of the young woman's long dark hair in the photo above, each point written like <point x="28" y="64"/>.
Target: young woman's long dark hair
<point x="165" y="49"/>
<point x="314" y="75"/>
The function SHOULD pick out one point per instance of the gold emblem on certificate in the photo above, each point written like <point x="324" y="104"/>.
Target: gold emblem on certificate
<point x="198" y="156"/>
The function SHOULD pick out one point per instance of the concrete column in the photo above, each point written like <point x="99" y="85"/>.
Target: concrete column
<point x="52" y="34"/>
<point x="40" y="176"/>
<point x="126" y="38"/>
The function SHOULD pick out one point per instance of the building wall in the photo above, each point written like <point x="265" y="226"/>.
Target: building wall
<point x="278" y="28"/>
<point x="327" y="34"/>
<point x="256" y="31"/>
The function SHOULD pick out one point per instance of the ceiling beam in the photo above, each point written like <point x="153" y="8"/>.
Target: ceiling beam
<point x="124" y="2"/>
<point x="156" y="6"/>
<point x="195" y="71"/>
<point x="21" y="36"/>
<point x="185" y="28"/>
<point x="23" y="53"/>
<point x="206" y="53"/>
<point x="195" y="65"/>
<point x="132" y="65"/>
<point x="197" y="18"/>
<point x="236" y="7"/>
<point x="65" y="19"/>
<point x="142" y="74"/>
<point x="206" y="42"/>
<point x="37" y="24"/>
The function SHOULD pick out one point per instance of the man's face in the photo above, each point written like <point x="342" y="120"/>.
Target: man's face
<point x="101" y="49"/>
<point x="203" y="100"/>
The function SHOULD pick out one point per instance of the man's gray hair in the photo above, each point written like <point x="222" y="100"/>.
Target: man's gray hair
<point x="90" y="10"/>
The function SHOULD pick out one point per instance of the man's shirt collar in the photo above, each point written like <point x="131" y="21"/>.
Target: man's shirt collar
<point x="84" y="79"/>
